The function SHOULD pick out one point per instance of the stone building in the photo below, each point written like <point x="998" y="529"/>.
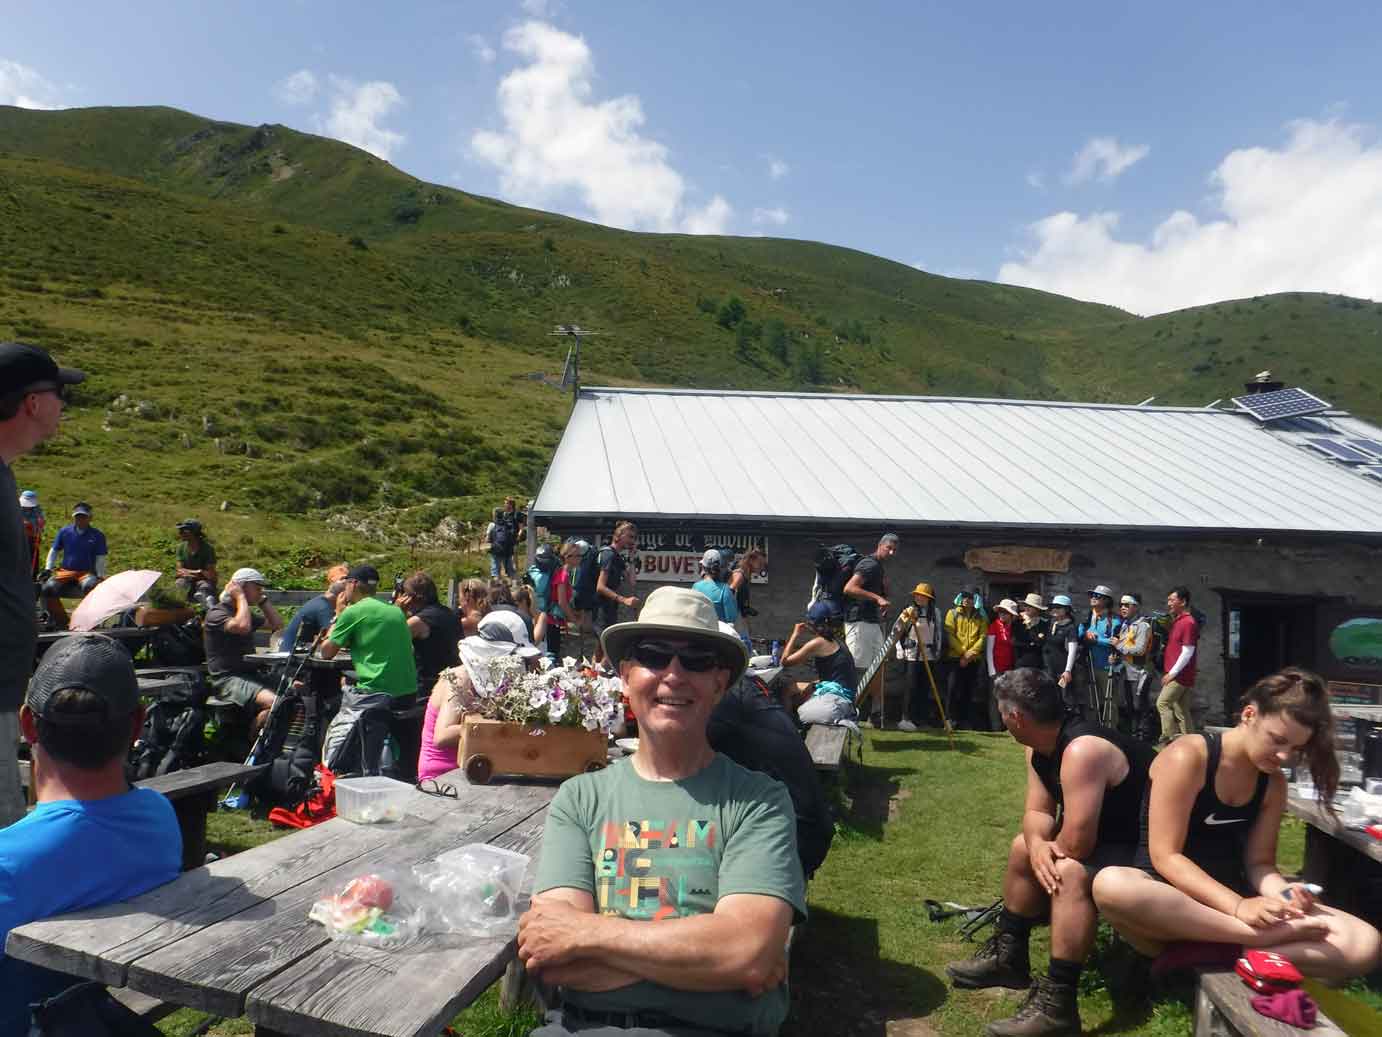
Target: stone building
<point x="1274" y="525"/>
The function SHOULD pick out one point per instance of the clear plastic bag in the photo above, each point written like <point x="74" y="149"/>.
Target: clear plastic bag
<point x="381" y="908"/>
<point x="470" y="892"/>
<point x="473" y="889"/>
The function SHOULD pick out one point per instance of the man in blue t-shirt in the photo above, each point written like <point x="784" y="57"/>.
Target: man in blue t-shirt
<point x="92" y="839"/>
<point x="81" y="548"/>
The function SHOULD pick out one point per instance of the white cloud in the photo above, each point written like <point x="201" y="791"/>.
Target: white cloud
<point x="23" y="87"/>
<point x="777" y="169"/>
<point x="1036" y="180"/>
<point x="556" y="140"/>
<point x="776" y="216"/>
<point x="357" y="111"/>
<point x="1105" y="159"/>
<point x="480" y="47"/>
<point x="539" y="8"/>
<point x="299" y="88"/>
<point x="1303" y="217"/>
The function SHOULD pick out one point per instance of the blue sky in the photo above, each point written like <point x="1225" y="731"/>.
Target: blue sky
<point x="1153" y="156"/>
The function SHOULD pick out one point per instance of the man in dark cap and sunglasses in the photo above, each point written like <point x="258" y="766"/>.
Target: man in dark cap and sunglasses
<point x="32" y="390"/>
<point x="92" y="839"/>
<point x="677" y="835"/>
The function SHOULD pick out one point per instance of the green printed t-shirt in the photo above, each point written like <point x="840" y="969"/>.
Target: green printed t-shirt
<point x="661" y="850"/>
<point x="380" y="645"/>
<point x="202" y="558"/>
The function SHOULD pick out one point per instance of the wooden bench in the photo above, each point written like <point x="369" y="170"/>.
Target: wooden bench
<point x="1223" y="1008"/>
<point x="828" y="746"/>
<point x="193" y="795"/>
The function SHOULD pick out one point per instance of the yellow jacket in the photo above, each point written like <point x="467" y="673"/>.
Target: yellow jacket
<point x="964" y="634"/>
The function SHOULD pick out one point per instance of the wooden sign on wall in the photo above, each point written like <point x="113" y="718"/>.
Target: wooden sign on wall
<point x="1014" y="559"/>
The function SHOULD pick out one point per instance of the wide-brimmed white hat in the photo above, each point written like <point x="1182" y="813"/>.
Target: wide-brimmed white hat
<point x="1007" y="605"/>
<point x="682" y="615"/>
<point x="1035" y="601"/>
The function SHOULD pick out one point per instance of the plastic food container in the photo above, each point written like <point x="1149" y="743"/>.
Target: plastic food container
<point x="367" y="801"/>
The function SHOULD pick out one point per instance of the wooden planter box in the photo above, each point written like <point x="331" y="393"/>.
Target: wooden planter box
<point x="148" y="616"/>
<point x="490" y="747"/>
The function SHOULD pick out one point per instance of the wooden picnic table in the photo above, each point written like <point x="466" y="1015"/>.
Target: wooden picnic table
<point x="338" y="662"/>
<point x="233" y="937"/>
<point x="1346" y="862"/>
<point x="157" y="687"/>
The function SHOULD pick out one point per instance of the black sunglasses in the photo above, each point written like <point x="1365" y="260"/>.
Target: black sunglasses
<point x="432" y="787"/>
<point x="657" y="655"/>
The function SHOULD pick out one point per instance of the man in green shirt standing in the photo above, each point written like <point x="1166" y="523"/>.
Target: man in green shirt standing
<point x="381" y="653"/>
<point x="196" y="564"/>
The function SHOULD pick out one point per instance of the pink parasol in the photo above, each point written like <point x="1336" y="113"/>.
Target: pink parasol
<point x="114" y="594"/>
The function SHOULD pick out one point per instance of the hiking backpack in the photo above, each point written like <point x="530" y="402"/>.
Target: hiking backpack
<point x="834" y="566"/>
<point x="290" y="744"/>
<point x="172" y="738"/>
<point x="583" y="596"/>
<point x="502" y="541"/>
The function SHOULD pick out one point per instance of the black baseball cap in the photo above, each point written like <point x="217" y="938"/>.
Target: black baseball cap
<point x="191" y="525"/>
<point x="91" y="662"/>
<point x="23" y="366"/>
<point x="365" y="574"/>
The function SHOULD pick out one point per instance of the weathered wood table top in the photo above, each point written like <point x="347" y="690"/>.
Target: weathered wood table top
<point x="1310" y="811"/>
<point x="233" y="938"/>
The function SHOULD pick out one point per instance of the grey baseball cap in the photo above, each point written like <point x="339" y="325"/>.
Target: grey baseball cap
<point x="90" y="662"/>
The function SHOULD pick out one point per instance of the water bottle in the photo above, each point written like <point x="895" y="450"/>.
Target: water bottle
<point x="777" y="653"/>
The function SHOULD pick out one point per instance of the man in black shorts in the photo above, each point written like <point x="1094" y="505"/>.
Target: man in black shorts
<point x="1094" y="776"/>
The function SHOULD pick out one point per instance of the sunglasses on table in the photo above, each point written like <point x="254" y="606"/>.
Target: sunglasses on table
<point x="657" y="655"/>
<point x="432" y="787"/>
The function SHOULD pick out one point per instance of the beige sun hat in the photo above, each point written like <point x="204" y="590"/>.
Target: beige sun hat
<point x="681" y="614"/>
<point x="1007" y="605"/>
<point x="1035" y="601"/>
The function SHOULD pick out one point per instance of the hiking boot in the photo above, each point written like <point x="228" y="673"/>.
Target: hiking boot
<point x="1000" y="962"/>
<point x="1049" y="1011"/>
<point x="906" y="725"/>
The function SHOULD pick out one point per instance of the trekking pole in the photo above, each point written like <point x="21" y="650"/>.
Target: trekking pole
<point x="945" y="723"/>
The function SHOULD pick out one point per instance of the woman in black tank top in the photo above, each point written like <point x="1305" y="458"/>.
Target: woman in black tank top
<point x="820" y="641"/>
<point x="1206" y="867"/>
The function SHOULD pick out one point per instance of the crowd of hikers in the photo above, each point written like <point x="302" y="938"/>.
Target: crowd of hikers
<point x="1174" y="843"/>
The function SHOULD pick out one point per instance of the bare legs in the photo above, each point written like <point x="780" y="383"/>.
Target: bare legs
<point x="1150" y="913"/>
<point x="1073" y="915"/>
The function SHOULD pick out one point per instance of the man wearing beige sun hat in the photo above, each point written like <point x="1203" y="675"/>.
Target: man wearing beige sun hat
<point x="720" y="864"/>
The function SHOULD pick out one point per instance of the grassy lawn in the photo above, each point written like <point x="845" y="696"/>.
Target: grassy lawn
<point x="921" y="821"/>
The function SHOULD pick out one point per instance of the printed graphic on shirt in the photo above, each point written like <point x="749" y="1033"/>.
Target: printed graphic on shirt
<point x="653" y="869"/>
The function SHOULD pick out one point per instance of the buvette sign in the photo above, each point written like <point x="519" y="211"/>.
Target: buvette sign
<point x="675" y="557"/>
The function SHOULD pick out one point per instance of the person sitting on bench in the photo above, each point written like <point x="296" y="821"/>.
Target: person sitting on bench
<point x="1092" y="778"/>
<point x="1206" y="866"/>
<point x="92" y="839"/>
<point x="82" y="550"/>
<point x="228" y="636"/>
<point x="668" y="881"/>
<point x="828" y="699"/>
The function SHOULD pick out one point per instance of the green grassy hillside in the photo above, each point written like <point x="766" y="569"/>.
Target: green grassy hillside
<point x="347" y="355"/>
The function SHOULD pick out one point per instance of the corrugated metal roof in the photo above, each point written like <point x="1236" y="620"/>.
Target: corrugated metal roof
<point x="794" y="458"/>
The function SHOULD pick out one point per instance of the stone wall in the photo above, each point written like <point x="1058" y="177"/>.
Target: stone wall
<point x="1151" y="567"/>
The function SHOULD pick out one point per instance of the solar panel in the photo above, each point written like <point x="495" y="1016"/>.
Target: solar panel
<point x="1375" y="471"/>
<point x="1372" y="446"/>
<point x="1339" y="451"/>
<point x="1284" y="403"/>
